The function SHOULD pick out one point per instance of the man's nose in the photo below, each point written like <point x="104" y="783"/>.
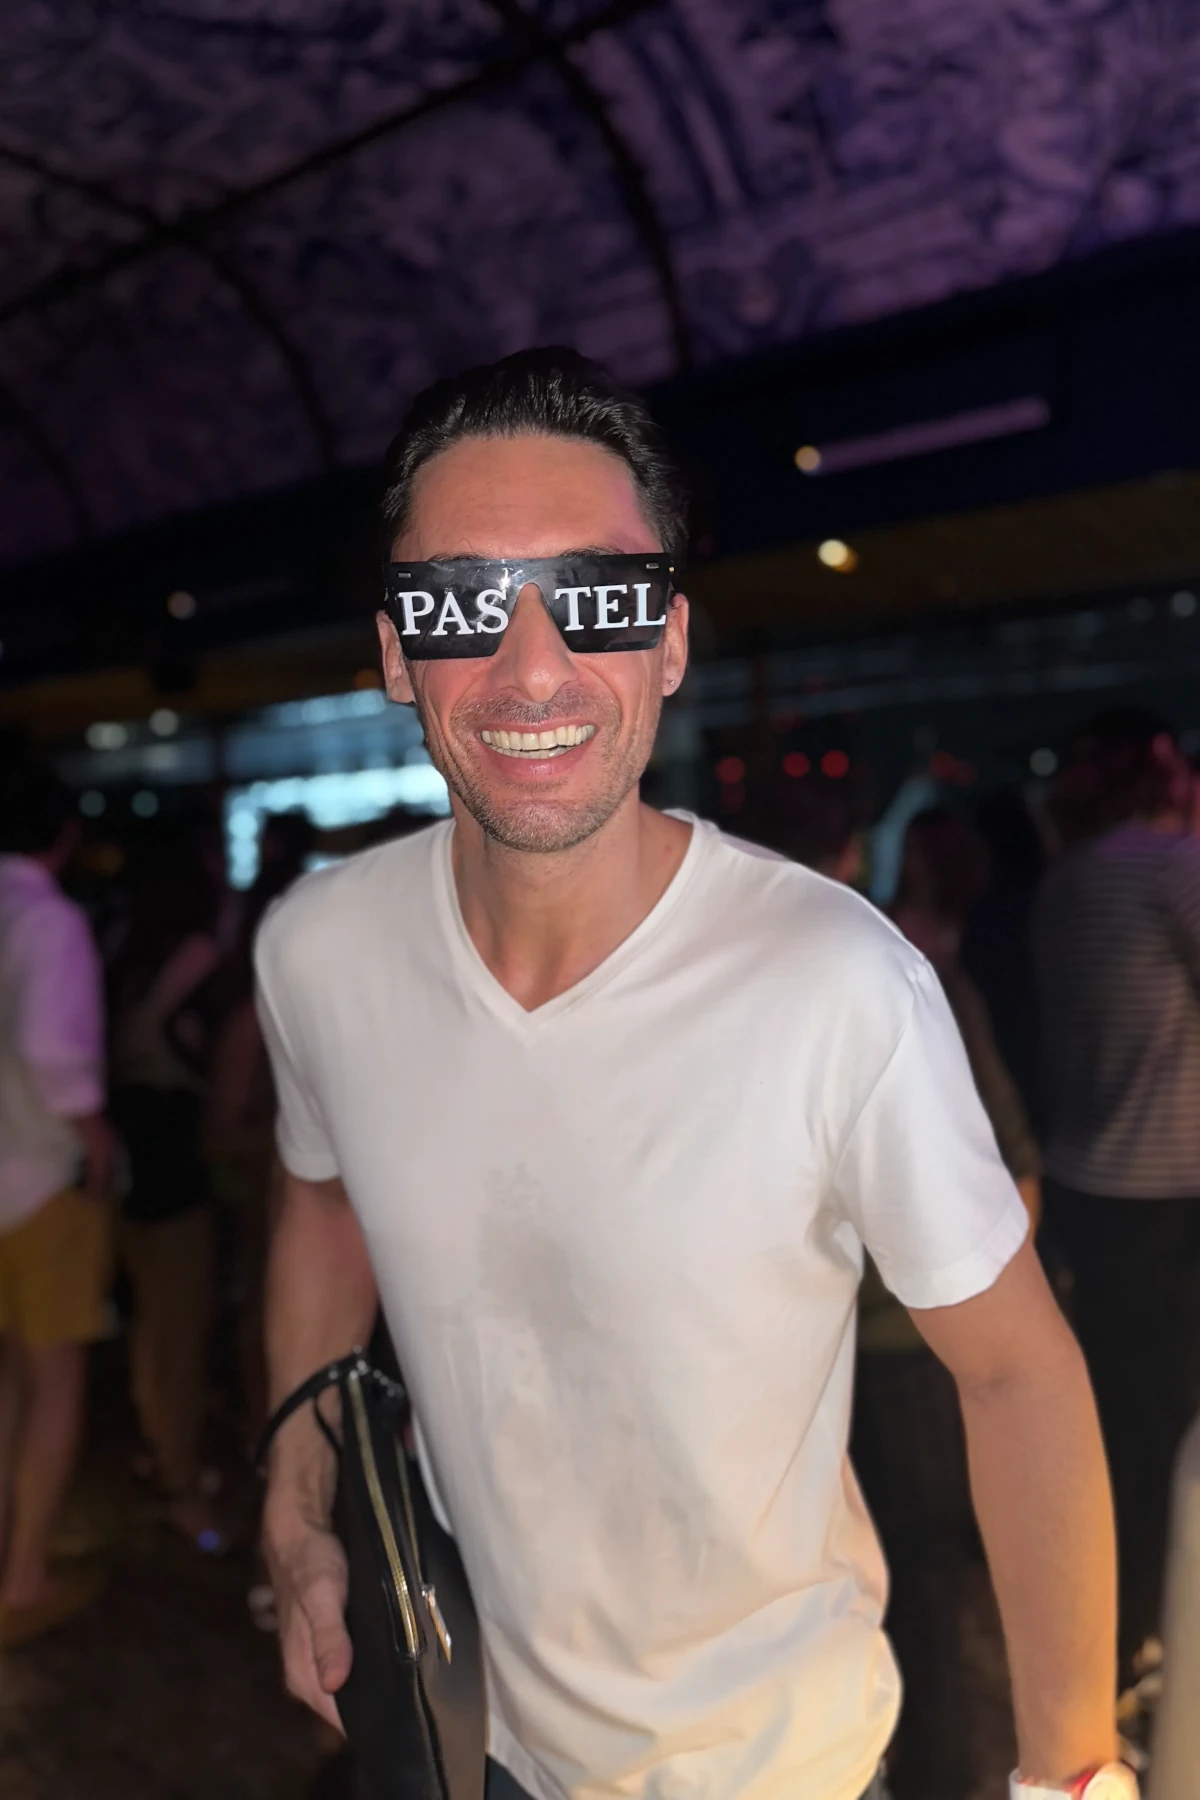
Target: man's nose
<point x="532" y="658"/>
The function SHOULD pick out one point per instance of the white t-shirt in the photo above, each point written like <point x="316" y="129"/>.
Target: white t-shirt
<point x="618" y="1241"/>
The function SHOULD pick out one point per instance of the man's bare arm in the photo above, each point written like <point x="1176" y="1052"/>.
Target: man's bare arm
<point x="321" y="1302"/>
<point x="1042" y="1498"/>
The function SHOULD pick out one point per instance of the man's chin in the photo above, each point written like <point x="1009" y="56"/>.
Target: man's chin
<point x="539" y="827"/>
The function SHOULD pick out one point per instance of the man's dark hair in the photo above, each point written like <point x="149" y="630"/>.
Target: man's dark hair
<point x="35" y="807"/>
<point x="551" y="392"/>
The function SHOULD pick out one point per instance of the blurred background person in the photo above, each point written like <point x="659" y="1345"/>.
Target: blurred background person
<point x="944" y="870"/>
<point x="996" y="951"/>
<point x="56" y="1158"/>
<point x="944" y="874"/>
<point x="157" y="983"/>
<point x="239" y="1123"/>
<point x="1117" y="949"/>
<point x="813" y="822"/>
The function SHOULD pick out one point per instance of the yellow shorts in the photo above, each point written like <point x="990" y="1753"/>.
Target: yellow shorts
<point x="55" y="1271"/>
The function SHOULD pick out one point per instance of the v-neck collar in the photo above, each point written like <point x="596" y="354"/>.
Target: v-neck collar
<point x="479" y="978"/>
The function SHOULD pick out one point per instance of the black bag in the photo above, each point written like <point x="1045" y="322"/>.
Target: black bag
<point x="413" y="1703"/>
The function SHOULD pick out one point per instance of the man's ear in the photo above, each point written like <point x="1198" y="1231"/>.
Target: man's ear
<point x="675" y="645"/>
<point x="395" y="669"/>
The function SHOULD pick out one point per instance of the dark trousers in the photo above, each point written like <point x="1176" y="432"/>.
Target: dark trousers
<point x="339" y="1780"/>
<point x="501" y="1785"/>
<point x="909" y="1454"/>
<point x="1136" y="1271"/>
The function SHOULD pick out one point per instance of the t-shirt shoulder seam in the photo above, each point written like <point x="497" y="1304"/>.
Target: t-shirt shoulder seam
<point x="916" y="970"/>
<point x="862" y="904"/>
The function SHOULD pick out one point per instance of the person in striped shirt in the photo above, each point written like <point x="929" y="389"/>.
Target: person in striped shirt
<point x="1117" y="948"/>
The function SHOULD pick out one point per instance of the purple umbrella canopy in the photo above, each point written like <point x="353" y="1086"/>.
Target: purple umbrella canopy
<point x="236" y="236"/>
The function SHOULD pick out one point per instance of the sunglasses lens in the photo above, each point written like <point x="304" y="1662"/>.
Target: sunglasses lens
<point x="449" y="614"/>
<point x="602" y="604"/>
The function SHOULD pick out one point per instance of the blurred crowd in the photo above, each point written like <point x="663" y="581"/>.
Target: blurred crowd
<point x="136" y="1159"/>
<point x="136" y="1156"/>
<point x="136" y="1119"/>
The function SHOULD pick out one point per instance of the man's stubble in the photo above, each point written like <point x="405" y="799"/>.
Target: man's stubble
<point x="538" y="826"/>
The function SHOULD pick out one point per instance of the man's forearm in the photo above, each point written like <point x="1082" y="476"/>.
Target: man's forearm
<point x="320" y="1302"/>
<point x="1041" y="1492"/>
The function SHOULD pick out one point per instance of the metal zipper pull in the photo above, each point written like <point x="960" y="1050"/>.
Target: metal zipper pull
<point x="439" y="1624"/>
<point x="382" y="1516"/>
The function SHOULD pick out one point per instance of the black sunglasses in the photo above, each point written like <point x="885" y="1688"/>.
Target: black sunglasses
<point x="462" y="606"/>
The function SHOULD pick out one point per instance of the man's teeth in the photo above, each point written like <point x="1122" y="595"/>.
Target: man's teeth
<point x="539" y="743"/>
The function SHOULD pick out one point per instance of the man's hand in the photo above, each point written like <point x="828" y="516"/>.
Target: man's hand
<point x="321" y="1301"/>
<point x="308" y="1574"/>
<point x="99" y="1143"/>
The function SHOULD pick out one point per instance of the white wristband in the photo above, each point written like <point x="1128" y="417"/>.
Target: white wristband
<point x="1113" y="1782"/>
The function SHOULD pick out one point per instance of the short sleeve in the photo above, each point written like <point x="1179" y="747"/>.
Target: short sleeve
<point x="920" y="1176"/>
<point x="300" y="1132"/>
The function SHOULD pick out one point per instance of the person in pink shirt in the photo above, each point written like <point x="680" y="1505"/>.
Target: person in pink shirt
<point x="56" y="1157"/>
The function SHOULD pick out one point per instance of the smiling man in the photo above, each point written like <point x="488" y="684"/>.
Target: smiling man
<point x="603" y="1107"/>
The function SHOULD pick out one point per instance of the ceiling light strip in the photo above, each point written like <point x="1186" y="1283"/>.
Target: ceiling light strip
<point x="1029" y="413"/>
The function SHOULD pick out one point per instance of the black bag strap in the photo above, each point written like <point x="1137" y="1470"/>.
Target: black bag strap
<point x="333" y="1374"/>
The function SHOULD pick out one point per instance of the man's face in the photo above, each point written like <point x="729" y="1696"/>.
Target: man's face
<point x="530" y="497"/>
